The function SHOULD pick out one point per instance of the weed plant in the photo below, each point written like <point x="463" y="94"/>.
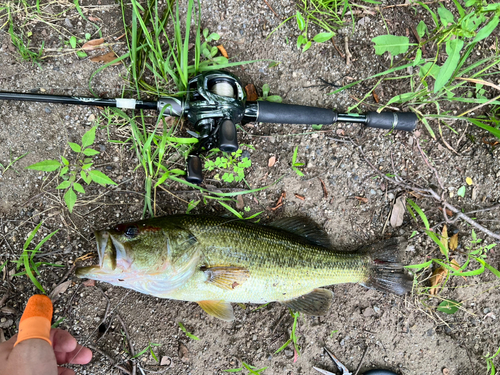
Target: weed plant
<point x="460" y="79"/>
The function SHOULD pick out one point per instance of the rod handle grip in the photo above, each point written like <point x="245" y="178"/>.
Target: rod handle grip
<point x="406" y="121"/>
<point x="294" y="114"/>
<point x="194" y="170"/>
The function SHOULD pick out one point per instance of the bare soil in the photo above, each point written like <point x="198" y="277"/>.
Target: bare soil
<point x="404" y="334"/>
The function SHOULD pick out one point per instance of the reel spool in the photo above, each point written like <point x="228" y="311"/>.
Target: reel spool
<point x="222" y="88"/>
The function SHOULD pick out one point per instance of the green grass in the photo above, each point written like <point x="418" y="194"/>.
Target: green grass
<point x="27" y="258"/>
<point x="462" y="78"/>
<point x="294" y="338"/>
<point x="476" y="253"/>
<point x="188" y="334"/>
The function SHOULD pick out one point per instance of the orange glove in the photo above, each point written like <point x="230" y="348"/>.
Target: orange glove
<point x="36" y="319"/>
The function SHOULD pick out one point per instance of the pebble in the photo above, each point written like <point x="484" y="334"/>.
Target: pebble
<point x="47" y="110"/>
<point x="373" y="192"/>
<point x="288" y="353"/>
<point x="486" y="310"/>
<point x="68" y="23"/>
<point x="376" y="309"/>
<point x="390" y="196"/>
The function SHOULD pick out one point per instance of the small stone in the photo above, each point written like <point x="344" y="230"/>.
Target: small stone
<point x="165" y="361"/>
<point x="390" y="196"/>
<point x="68" y="23"/>
<point x="47" y="110"/>
<point x="91" y="118"/>
<point x="373" y="192"/>
<point x="288" y="353"/>
<point x="376" y="309"/>
<point x="486" y="310"/>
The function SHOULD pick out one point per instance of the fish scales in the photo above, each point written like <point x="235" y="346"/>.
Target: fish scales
<point x="281" y="265"/>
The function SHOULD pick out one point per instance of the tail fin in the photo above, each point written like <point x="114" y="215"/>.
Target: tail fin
<point x="386" y="272"/>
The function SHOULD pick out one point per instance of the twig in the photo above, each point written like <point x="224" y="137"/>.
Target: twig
<point x="110" y="359"/>
<point x="339" y="51"/>
<point x="411" y="4"/>
<point x="347" y="52"/>
<point x="361" y="362"/>
<point x="270" y="7"/>
<point x="132" y="350"/>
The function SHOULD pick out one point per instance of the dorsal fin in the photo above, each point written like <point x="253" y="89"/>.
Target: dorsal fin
<point x="304" y="227"/>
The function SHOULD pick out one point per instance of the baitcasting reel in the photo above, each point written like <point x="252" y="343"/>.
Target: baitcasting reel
<point x="216" y="102"/>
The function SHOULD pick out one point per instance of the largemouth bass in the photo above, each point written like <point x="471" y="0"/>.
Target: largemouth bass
<point x="215" y="261"/>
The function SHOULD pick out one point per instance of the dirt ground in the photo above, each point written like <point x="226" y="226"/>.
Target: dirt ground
<point x="404" y="334"/>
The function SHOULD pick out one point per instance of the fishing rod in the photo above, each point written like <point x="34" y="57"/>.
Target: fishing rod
<point x="215" y="102"/>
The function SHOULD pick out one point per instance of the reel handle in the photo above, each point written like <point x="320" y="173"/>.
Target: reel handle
<point x="194" y="170"/>
<point x="228" y="141"/>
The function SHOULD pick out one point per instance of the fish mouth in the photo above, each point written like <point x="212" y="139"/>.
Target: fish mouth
<point x="109" y="250"/>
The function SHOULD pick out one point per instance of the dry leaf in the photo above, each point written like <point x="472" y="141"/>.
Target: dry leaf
<point x="454" y="242"/>
<point x="183" y="352"/>
<point x="58" y="290"/>
<point x="107" y="58"/>
<point x="398" y="212"/>
<point x="223" y="51"/>
<point x="165" y="361"/>
<point x="89" y="283"/>
<point x="325" y="192"/>
<point x="340" y="132"/>
<point x="444" y="237"/>
<point x="362" y="199"/>
<point x="93" y="44"/>
<point x="251" y="91"/>
<point x="469" y="181"/>
<point x="94" y="19"/>
<point x="375" y="96"/>
<point x="272" y="161"/>
<point x="437" y="278"/>
<point x="240" y="204"/>
<point x="301" y="197"/>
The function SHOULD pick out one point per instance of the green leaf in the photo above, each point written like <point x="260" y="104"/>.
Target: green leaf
<point x="70" y="199"/>
<point x="492" y="130"/>
<point x="391" y="43"/>
<point x="421" y="29"/>
<point x="86" y="177"/>
<point x="90" y="152"/>
<point x="323" y="37"/>
<point x="72" y="41"/>
<point x="445" y="15"/>
<point x="274" y="99"/>
<point x="418" y="57"/>
<point x="265" y="90"/>
<point x="300" y="21"/>
<point x="301" y="40"/>
<point x="75" y="147"/>
<point x="420" y="213"/>
<point x="79" y="188"/>
<point x="192" y="204"/>
<point x="461" y="192"/>
<point x="449" y="306"/>
<point x="64" y="160"/>
<point x="89" y="137"/>
<point x="46" y="166"/>
<point x="307" y="46"/>
<point x="214" y="36"/>
<point x="453" y="48"/>
<point x="101" y="178"/>
<point x="430" y="69"/>
<point x="64" y="185"/>
<point x="487" y="30"/>
<point x="81" y="54"/>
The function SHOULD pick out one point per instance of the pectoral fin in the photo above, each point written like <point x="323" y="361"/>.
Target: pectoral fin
<point x="220" y="309"/>
<point x="226" y="277"/>
<point x="317" y="302"/>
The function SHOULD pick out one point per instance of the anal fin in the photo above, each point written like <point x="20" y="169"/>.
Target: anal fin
<point x="226" y="277"/>
<point x="220" y="309"/>
<point x="317" y="302"/>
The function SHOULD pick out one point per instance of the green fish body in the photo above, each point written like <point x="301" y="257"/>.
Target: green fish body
<point x="215" y="261"/>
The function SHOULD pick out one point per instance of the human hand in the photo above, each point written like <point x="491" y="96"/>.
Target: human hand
<point x="38" y="349"/>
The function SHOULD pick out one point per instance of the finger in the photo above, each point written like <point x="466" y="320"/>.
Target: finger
<point x="65" y="371"/>
<point x="80" y="356"/>
<point x="62" y="341"/>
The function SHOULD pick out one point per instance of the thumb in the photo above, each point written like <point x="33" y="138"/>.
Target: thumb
<point x="36" y="319"/>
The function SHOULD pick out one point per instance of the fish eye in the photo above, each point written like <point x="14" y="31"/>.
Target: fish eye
<point x="131" y="231"/>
